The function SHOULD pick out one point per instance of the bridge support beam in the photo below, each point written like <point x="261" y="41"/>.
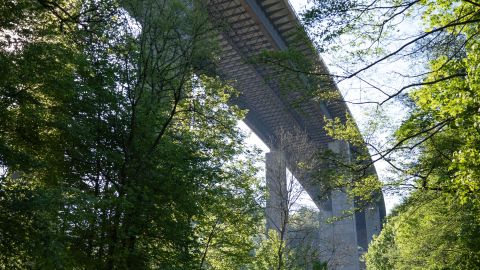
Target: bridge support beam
<point x="277" y="203"/>
<point x="338" y="239"/>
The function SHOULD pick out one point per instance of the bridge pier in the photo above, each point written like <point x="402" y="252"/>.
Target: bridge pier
<point x="277" y="202"/>
<point x="373" y="222"/>
<point x="340" y="243"/>
<point x="338" y="239"/>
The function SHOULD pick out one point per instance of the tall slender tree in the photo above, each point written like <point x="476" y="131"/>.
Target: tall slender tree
<point x="116" y="143"/>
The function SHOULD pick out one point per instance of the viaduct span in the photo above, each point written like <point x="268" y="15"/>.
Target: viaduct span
<point x="253" y="26"/>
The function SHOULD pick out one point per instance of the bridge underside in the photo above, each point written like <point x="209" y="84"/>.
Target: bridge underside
<point x="250" y="27"/>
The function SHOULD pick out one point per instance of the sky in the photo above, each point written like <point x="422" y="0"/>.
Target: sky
<point x="348" y="89"/>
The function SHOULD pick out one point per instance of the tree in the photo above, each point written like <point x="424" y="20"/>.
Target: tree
<point x="442" y="46"/>
<point x="368" y="34"/>
<point x="435" y="150"/>
<point x="228" y="228"/>
<point x="428" y="231"/>
<point x="442" y="215"/>
<point x="115" y="140"/>
<point x="305" y="242"/>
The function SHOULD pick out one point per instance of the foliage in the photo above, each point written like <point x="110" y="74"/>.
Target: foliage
<point x="304" y="241"/>
<point x="267" y="254"/>
<point x="435" y="150"/>
<point x="298" y="248"/>
<point x="118" y="149"/>
<point x="231" y="220"/>
<point x="437" y="228"/>
<point x="428" y="231"/>
<point x="443" y="99"/>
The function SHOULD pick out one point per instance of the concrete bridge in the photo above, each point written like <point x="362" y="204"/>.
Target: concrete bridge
<point x="253" y="26"/>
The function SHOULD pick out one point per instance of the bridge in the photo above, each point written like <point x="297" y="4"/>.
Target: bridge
<point x="254" y="26"/>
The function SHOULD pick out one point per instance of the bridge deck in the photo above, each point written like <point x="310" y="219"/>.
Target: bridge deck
<point x="255" y="26"/>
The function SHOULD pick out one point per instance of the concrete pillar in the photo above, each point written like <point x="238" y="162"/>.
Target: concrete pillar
<point x="276" y="178"/>
<point x="326" y="233"/>
<point x="339" y="247"/>
<point x="346" y="248"/>
<point x="373" y="223"/>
